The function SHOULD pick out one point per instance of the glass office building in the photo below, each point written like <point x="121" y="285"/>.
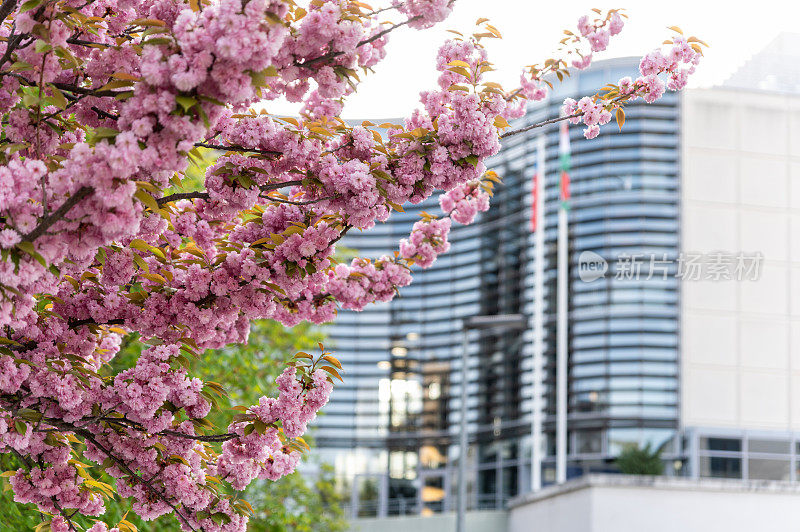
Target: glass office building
<point x="392" y="428"/>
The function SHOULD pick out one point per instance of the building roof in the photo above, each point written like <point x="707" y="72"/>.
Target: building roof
<point x="776" y="68"/>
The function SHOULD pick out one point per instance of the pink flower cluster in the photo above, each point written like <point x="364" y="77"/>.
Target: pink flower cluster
<point x="55" y="484"/>
<point x="327" y="30"/>
<point x="257" y="453"/>
<point x="592" y="113"/>
<point x="425" y="13"/>
<point x="365" y="281"/>
<point x="680" y="62"/>
<point x="598" y="33"/>
<point x="428" y="240"/>
<point x="464" y="202"/>
<point x="595" y="33"/>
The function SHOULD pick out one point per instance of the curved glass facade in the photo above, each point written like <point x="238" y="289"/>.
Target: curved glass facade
<point x="392" y="427"/>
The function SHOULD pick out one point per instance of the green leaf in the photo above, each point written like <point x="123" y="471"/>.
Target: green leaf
<point x="141" y="263"/>
<point x="20" y="66"/>
<point x="147" y="199"/>
<point x="29" y="414"/>
<point x="30" y="4"/>
<point x="59" y="100"/>
<point x="186" y="102"/>
<point x="28" y="248"/>
<point x="41" y="47"/>
<point x="158" y="40"/>
<point x="100" y="133"/>
<point x="220" y="518"/>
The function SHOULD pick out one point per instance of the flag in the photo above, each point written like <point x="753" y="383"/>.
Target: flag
<point x="564" y="162"/>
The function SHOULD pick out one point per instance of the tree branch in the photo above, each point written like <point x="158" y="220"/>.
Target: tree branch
<point x="211" y="438"/>
<point x="58" y="214"/>
<point x="89" y="321"/>
<point x="124" y="467"/>
<point x="307" y="202"/>
<point x="540" y="124"/>
<point x="181" y="196"/>
<point x="91" y="44"/>
<point x="6" y="8"/>
<point x="104" y="114"/>
<point x="236" y="148"/>
<point x="331" y="55"/>
<point x="204" y="195"/>
<point x="12" y="43"/>
<point x="65" y="86"/>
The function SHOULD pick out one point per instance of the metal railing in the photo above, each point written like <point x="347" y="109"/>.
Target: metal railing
<point x="404" y="506"/>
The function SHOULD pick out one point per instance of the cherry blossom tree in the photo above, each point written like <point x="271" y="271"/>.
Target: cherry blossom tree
<point x="106" y="106"/>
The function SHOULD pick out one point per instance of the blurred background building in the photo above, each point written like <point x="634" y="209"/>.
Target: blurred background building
<point x="706" y="370"/>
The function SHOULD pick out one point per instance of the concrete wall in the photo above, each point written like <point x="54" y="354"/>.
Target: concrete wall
<point x="494" y="521"/>
<point x="740" y="344"/>
<point x="640" y="504"/>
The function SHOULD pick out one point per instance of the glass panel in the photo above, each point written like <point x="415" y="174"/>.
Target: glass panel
<point x="432" y="495"/>
<point x="402" y="497"/>
<point x="768" y="446"/>
<point x="720" y="444"/>
<point x="487" y="486"/>
<point x="510" y="480"/>
<point x="368" y="494"/>
<point x="768" y="469"/>
<point x="714" y="466"/>
<point x="590" y="442"/>
<point x="655" y="438"/>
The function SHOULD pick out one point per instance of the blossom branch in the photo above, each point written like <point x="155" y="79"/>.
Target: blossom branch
<point x="333" y="55"/>
<point x="58" y="214"/>
<point x="124" y="467"/>
<point x="236" y="148"/>
<point x="6" y="8"/>
<point x="539" y="124"/>
<point x="205" y="196"/>
<point x="210" y="438"/>
<point x="307" y="202"/>
<point x="68" y="518"/>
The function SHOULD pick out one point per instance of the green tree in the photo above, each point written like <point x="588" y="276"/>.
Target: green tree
<point x="635" y="460"/>
<point x="299" y="503"/>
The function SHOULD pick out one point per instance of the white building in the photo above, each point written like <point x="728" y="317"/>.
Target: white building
<point x="740" y="340"/>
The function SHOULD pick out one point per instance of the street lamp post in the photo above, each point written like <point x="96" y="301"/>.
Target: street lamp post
<point x="497" y="321"/>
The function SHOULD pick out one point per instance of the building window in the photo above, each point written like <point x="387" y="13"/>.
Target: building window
<point x="768" y="446"/>
<point x="590" y="442"/>
<point x="720" y="467"/>
<point x="768" y="469"/>
<point x="721" y="444"/>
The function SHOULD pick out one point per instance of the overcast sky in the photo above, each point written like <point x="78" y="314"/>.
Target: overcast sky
<point x="531" y="31"/>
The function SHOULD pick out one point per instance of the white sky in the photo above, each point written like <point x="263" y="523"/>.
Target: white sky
<point x="531" y="31"/>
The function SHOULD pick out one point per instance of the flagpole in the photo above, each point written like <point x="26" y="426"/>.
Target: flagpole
<point x="537" y="416"/>
<point x="562" y="310"/>
<point x="561" y="351"/>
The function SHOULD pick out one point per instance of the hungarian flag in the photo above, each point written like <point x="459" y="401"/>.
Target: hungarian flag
<point x="564" y="162"/>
